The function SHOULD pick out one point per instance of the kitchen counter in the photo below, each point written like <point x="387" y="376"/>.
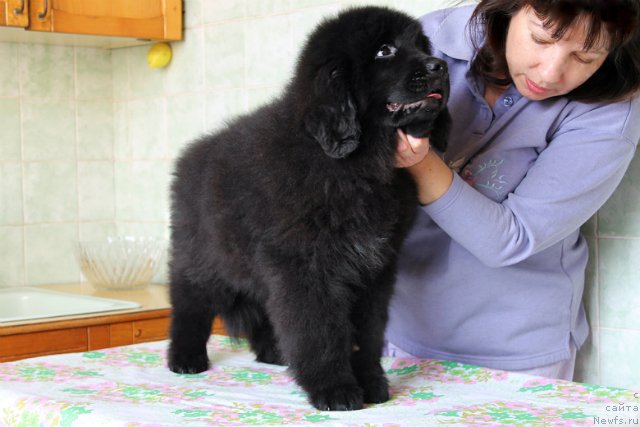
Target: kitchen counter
<point x="152" y="298"/>
<point x="150" y="322"/>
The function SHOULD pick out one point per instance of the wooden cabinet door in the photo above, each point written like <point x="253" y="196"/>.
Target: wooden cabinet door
<point x="150" y="330"/>
<point x="146" y="19"/>
<point x="14" y="13"/>
<point x="34" y="344"/>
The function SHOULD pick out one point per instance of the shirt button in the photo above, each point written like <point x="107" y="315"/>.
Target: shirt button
<point x="507" y="101"/>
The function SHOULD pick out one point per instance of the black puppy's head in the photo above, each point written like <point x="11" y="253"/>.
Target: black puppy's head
<point x="414" y="86"/>
<point x="368" y="68"/>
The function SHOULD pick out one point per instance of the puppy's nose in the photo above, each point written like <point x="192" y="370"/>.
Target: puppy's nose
<point x="435" y="66"/>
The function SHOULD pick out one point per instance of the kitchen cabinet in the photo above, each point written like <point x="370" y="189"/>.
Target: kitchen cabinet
<point x="20" y="340"/>
<point x="14" y="13"/>
<point x="140" y="19"/>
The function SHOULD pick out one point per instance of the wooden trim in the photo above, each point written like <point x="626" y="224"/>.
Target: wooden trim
<point x="44" y="343"/>
<point x="86" y="334"/>
<point x="151" y="330"/>
<point x="84" y="321"/>
<point x="98" y="337"/>
<point x="121" y="334"/>
<point x="173" y="19"/>
<point x="149" y="28"/>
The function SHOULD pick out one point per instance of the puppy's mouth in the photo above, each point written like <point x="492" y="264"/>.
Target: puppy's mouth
<point x="413" y="106"/>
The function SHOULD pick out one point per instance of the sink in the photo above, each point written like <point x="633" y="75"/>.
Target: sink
<point x="26" y="303"/>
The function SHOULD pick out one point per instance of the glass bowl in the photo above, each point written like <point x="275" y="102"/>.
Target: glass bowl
<point x="120" y="263"/>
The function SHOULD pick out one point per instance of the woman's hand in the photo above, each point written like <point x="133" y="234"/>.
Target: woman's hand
<point x="410" y="150"/>
<point x="432" y="176"/>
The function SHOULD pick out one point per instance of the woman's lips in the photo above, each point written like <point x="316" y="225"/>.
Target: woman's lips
<point x="535" y="88"/>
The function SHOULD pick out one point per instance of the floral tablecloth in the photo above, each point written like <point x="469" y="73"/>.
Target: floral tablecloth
<point x="131" y="386"/>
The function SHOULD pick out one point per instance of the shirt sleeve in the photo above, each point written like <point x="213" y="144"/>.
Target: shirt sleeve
<point x="570" y="180"/>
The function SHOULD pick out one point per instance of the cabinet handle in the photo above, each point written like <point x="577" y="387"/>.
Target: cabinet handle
<point x="42" y="15"/>
<point x="19" y="10"/>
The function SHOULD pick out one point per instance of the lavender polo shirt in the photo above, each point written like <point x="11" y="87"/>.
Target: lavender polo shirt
<point x="493" y="272"/>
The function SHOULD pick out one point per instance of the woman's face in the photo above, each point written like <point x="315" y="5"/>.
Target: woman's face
<point x="542" y="67"/>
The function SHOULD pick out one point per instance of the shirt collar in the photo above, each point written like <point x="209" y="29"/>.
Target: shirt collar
<point x="455" y="47"/>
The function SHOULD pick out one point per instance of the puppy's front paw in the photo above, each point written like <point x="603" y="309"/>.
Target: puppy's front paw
<point x="339" y="398"/>
<point x="270" y="355"/>
<point x="376" y="390"/>
<point x="188" y="364"/>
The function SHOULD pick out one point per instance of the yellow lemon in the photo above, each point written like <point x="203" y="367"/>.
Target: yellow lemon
<point x="159" y="55"/>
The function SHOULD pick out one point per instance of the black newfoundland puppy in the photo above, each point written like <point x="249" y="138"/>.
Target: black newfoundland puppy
<point x="287" y="223"/>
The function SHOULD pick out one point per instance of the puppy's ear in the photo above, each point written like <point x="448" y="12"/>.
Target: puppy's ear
<point x="332" y="115"/>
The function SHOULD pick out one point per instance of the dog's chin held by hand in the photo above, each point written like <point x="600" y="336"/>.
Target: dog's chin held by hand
<point x="437" y="130"/>
<point x="294" y="243"/>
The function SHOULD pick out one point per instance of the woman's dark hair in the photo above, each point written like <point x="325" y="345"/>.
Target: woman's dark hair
<point x="619" y="76"/>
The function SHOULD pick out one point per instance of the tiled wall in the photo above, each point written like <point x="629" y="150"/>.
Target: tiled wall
<point x="88" y="137"/>
<point x="612" y="295"/>
<point x="56" y="158"/>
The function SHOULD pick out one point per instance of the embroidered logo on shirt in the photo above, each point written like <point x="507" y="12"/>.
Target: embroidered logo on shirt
<point x="486" y="175"/>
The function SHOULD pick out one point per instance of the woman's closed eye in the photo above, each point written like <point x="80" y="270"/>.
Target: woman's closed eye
<point x="582" y="59"/>
<point x="539" y="40"/>
<point x="582" y="56"/>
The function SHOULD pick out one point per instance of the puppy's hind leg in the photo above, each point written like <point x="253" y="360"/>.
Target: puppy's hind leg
<point x="264" y="345"/>
<point x="248" y="318"/>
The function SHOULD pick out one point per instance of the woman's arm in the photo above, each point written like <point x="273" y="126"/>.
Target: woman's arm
<point x="568" y="182"/>
<point x="432" y="176"/>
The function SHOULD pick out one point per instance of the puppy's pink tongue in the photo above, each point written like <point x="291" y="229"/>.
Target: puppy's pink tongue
<point x="434" y="96"/>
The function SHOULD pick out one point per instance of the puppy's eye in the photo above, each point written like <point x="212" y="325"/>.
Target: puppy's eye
<point x="386" y="51"/>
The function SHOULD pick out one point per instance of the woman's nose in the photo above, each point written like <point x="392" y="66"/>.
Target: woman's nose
<point x="552" y="67"/>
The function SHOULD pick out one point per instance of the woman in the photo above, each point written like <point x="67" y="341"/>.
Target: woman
<point x="545" y="123"/>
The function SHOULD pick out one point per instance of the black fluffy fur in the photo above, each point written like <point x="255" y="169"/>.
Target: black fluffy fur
<point x="287" y="222"/>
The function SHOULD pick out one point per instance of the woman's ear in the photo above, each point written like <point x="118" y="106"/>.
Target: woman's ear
<point x="331" y="118"/>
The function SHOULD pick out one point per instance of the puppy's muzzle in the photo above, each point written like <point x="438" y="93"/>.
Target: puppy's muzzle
<point x="435" y="67"/>
<point x="432" y="73"/>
